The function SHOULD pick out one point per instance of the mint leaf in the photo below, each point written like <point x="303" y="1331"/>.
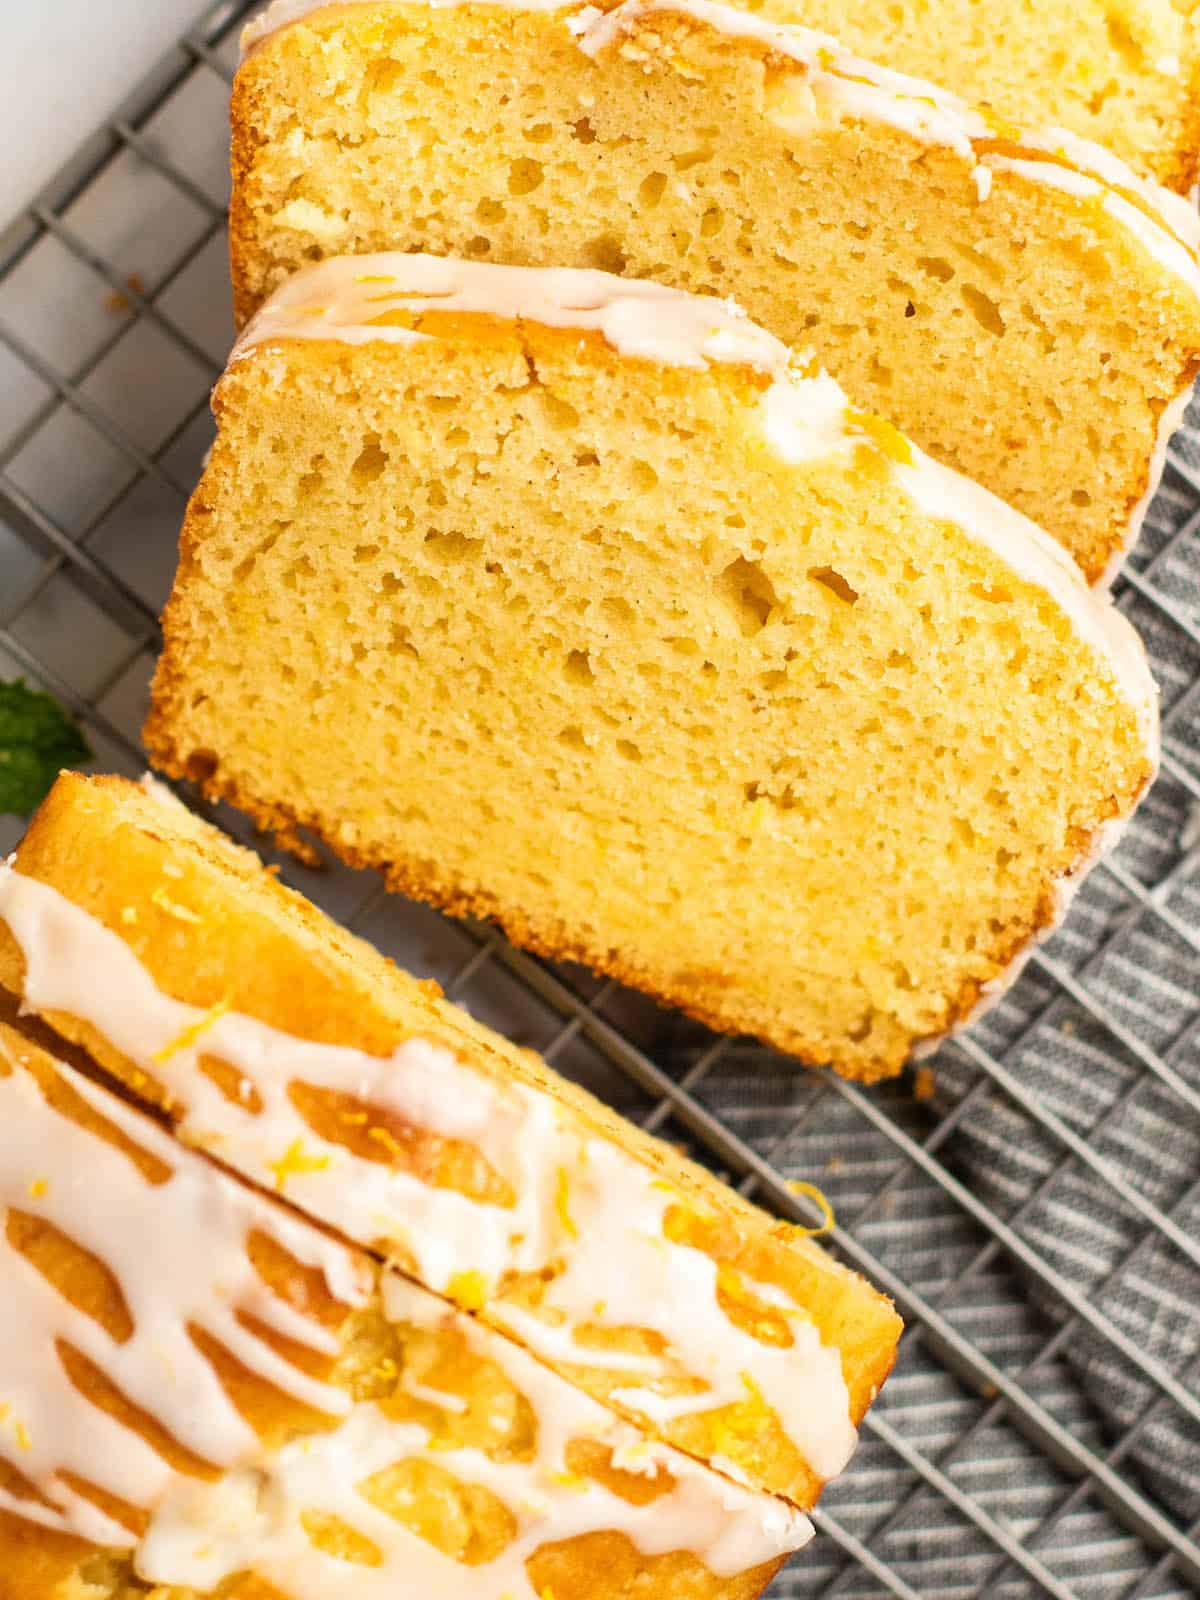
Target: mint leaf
<point x="37" y="739"/>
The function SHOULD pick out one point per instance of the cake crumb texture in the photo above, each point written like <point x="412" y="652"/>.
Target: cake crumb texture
<point x="560" y="639"/>
<point x="1011" y="324"/>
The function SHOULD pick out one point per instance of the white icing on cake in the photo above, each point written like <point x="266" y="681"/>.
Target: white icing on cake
<point x="177" y="1252"/>
<point x="579" y="1202"/>
<point x="838" y="85"/>
<point x="728" y="1528"/>
<point x="344" y="297"/>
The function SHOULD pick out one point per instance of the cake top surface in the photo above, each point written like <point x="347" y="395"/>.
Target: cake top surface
<point x="582" y="1209"/>
<point x="350" y="297"/>
<point x="847" y="87"/>
<point x="75" y="1160"/>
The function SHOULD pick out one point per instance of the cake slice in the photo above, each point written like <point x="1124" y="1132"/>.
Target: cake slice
<point x="1020" y="303"/>
<point x="203" y="1392"/>
<point x="568" y="601"/>
<point x="301" y="1059"/>
<point x="1128" y="78"/>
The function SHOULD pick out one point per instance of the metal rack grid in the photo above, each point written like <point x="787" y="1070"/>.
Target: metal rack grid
<point x="1032" y="1200"/>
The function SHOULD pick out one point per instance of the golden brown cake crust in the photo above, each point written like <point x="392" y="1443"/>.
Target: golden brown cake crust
<point x="245" y="263"/>
<point x="36" y="1564"/>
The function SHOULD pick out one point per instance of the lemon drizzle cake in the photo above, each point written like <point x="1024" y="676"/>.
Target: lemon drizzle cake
<point x="640" y="1278"/>
<point x="1130" y="82"/>
<point x="913" y="242"/>
<point x="201" y="1390"/>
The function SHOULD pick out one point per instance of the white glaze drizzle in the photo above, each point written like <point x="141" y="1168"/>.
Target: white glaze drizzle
<point x="841" y="85"/>
<point x="178" y="1252"/>
<point x="728" y="1528"/>
<point x="612" y="1250"/>
<point x="343" y="297"/>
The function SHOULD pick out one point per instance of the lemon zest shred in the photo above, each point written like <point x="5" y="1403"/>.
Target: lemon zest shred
<point x="295" y="1164"/>
<point x="811" y="1192"/>
<point x="883" y="435"/>
<point x="194" y="1031"/>
<point x="163" y="901"/>
<point x="389" y="1142"/>
<point x="753" y="1390"/>
<point x="469" y="1289"/>
<point x="731" y="1284"/>
<point x="562" y="1193"/>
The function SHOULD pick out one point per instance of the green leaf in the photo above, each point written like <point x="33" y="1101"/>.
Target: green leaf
<point x="37" y="739"/>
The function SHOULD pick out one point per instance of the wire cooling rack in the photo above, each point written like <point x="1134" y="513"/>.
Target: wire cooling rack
<point x="1031" y="1198"/>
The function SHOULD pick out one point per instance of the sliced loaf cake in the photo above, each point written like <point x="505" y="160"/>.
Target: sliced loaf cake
<point x="301" y="1059"/>
<point x="1020" y="303"/>
<point x="568" y="601"/>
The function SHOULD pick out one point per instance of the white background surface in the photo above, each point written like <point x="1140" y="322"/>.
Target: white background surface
<point x="64" y="67"/>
